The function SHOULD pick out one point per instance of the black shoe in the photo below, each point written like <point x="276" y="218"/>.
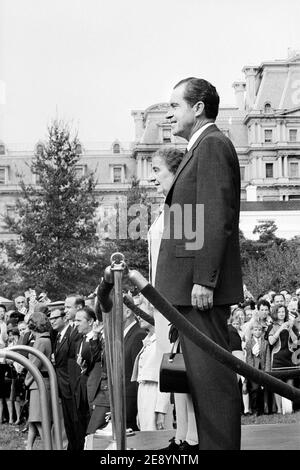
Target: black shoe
<point x="185" y="448"/>
<point x="172" y="447"/>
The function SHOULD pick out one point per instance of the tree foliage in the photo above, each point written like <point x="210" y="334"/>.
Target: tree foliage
<point x="55" y="222"/>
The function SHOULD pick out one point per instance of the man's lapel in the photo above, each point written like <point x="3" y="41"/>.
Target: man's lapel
<point x="189" y="154"/>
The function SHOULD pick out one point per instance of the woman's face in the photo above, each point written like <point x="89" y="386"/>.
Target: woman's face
<point x="236" y="324"/>
<point x="281" y="313"/>
<point x="161" y="175"/>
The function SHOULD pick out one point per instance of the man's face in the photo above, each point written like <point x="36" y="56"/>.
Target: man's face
<point x="20" y="303"/>
<point x="248" y="314"/>
<point x="83" y="324"/>
<point x="181" y="115"/>
<point x="57" y="320"/>
<point x="279" y="300"/>
<point x="70" y="309"/>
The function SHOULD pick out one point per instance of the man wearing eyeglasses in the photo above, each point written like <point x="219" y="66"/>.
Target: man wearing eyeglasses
<point x="61" y="356"/>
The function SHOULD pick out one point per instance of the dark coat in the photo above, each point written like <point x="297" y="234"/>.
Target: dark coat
<point x="208" y="176"/>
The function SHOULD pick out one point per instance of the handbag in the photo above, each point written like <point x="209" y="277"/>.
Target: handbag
<point x="172" y="374"/>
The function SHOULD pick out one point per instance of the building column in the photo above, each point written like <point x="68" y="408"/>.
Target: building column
<point x="278" y="131"/>
<point x="279" y="167"/>
<point x="254" y="168"/>
<point x="139" y="168"/>
<point x="259" y="138"/>
<point x="260" y="168"/>
<point x="285" y="166"/>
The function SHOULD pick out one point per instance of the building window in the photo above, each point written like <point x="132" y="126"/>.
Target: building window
<point x="116" y="148"/>
<point x="2" y="175"/>
<point x="293" y="135"/>
<point x="293" y="169"/>
<point x="11" y="211"/>
<point x="268" y="135"/>
<point x="2" y="149"/>
<point x="80" y="170"/>
<point x="166" y="134"/>
<point x="294" y="197"/>
<point x="269" y="170"/>
<point x="242" y="170"/>
<point x="268" y="108"/>
<point x="78" y="149"/>
<point x="39" y="149"/>
<point x="117" y="174"/>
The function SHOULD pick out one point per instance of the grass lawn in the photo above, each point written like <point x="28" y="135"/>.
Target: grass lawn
<point x="12" y="439"/>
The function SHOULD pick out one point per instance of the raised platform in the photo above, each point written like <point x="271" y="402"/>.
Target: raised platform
<point x="254" y="437"/>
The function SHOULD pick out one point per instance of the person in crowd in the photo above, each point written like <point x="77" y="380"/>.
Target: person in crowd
<point x="133" y="336"/>
<point x="40" y="326"/>
<point x="165" y="163"/>
<point x="97" y="383"/>
<point x="20" y="311"/>
<point x="60" y="358"/>
<point x="43" y="298"/>
<point x="256" y="356"/>
<point x="283" y="339"/>
<point x="279" y="299"/>
<point x="3" y="326"/>
<point x="84" y="320"/>
<point x="154" y="407"/>
<point x="235" y="327"/>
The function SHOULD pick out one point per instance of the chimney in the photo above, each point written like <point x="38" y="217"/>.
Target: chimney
<point x="138" y="117"/>
<point x="250" y="74"/>
<point x="239" y="91"/>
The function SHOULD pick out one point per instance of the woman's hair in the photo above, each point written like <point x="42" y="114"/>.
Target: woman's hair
<point x="263" y="302"/>
<point x="39" y="322"/>
<point x="171" y="156"/>
<point x="274" y="313"/>
<point x="3" y="306"/>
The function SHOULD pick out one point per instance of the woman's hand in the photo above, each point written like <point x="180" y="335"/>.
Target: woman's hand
<point x="160" y="420"/>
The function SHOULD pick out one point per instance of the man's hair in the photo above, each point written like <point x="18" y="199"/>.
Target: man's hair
<point x="263" y="302"/>
<point x="3" y="306"/>
<point x="198" y="89"/>
<point x="171" y="156"/>
<point x="89" y="313"/>
<point x="277" y="294"/>
<point x="78" y="300"/>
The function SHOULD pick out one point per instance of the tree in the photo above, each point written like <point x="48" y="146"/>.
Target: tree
<point x="55" y="221"/>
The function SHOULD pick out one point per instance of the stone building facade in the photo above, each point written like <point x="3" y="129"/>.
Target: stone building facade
<point x="264" y="126"/>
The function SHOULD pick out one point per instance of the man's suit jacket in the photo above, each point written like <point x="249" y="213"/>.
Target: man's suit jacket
<point x="259" y="362"/>
<point x="61" y="356"/>
<point x="209" y="176"/>
<point x="97" y="383"/>
<point x="82" y="377"/>
<point x="73" y="368"/>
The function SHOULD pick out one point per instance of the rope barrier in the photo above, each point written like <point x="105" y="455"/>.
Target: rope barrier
<point x="207" y="345"/>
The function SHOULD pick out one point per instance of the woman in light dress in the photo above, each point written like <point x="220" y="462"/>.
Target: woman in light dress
<point x="165" y="163"/>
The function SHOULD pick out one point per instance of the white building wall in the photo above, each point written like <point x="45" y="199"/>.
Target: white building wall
<point x="288" y="222"/>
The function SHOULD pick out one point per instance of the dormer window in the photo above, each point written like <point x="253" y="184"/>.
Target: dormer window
<point x="268" y="108"/>
<point x="116" y="148"/>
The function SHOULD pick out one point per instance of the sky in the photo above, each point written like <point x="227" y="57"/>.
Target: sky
<point x="90" y="62"/>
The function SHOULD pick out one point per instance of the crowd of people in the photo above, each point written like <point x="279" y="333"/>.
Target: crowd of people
<point x="264" y="333"/>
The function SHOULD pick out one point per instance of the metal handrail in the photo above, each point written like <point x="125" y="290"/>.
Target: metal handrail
<point x="53" y="389"/>
<point x="46" y="427"/>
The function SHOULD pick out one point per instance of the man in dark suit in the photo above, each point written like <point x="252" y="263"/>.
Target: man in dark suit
<point x="199" y="270"/>
<point x="61" y="354"/>
<point x="133" y="336"/>
<point x="84" y="321"/>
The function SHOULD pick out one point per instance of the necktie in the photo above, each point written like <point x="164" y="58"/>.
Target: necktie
<point x="57" y="341"/>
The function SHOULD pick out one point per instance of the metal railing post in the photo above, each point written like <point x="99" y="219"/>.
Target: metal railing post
<point x="117" y="267"/>
<point x="14" y="356"/>
<point x="53" y="390"/>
